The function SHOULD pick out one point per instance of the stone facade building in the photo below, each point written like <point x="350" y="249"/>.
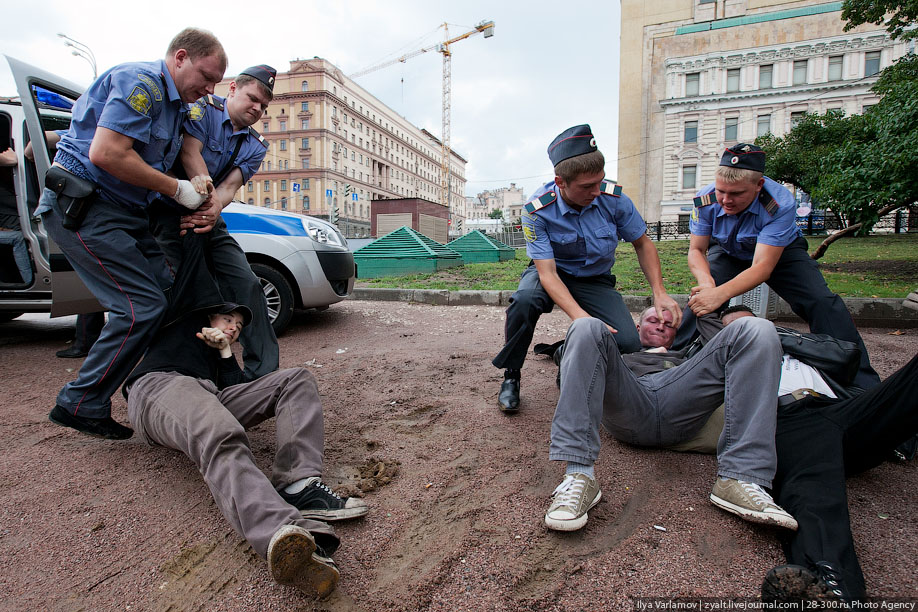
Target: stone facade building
<point x="711" y="73"/>
<point x="332" y="143"/>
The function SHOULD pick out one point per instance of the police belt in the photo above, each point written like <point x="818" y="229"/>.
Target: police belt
<point x="72" y="195"/>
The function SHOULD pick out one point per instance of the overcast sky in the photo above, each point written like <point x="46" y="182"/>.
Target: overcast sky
<point x="550" y="65"/>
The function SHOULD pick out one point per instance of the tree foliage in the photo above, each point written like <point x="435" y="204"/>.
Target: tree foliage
<point x="496" y="214"/>
<point x="896" y="15"/>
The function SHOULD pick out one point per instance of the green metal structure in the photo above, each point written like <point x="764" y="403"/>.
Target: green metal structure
<point x="403" y="252"/>
<point x="476" y="247"/>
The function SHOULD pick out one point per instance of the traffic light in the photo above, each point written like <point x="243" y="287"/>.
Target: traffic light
<point x="348" y="189"/>
<point x="459" y="225"/>
<point x="333" y="217"/>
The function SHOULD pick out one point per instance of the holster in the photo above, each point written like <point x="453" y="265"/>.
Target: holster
<point x="72" y="194"/>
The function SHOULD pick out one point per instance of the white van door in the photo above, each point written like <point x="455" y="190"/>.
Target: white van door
<point x="44" y="98"/>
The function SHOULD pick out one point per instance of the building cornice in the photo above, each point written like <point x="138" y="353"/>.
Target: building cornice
<point x="782" y="94"/>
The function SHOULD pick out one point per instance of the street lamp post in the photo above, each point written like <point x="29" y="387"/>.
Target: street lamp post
<point x="81" y="50"/>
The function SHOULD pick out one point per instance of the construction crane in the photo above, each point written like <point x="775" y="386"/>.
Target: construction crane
<point x="485" y="27"/>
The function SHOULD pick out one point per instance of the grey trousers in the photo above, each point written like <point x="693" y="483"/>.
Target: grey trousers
<point x="740" y="367"/>
<point x="208" y="425"/>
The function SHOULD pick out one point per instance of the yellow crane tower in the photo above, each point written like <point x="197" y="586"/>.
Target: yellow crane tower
<point x="487" y="28"/>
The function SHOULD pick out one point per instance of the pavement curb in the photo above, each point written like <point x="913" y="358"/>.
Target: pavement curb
<point x="866" y="312"/>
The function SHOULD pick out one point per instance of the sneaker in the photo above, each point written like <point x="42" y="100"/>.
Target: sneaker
<point x="107" y="428"/>
<point x="317" y="501"/>
<point x="750" y="502"/>
<point x="795" y="583"/>
<point x="571" y="501"/>
<point x="294" y="559"/>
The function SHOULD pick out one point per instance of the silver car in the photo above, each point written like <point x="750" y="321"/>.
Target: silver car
<point x="302" y="262"/>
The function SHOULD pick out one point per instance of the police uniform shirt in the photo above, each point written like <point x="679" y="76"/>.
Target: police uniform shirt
<point x="213" y="127"/>
<point x="738" y="234"/>
<point x="140" y="101"/>
<point x="581" y="243"/>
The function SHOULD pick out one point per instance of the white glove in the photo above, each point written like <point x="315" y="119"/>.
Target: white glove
<point x="187" y="196"/>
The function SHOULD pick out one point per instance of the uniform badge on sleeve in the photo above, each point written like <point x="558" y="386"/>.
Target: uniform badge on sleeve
<point x="705" y="200"/>
<point x="140" y="101"/>
<point x="197" y="112"/>
<point x="154" y="89"/>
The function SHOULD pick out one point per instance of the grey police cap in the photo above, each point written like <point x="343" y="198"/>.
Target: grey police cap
<point x="572" y="142"/>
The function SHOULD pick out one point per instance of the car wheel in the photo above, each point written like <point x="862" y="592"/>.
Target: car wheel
<point x="8" y="316"/>
<point x="278" y="294"/>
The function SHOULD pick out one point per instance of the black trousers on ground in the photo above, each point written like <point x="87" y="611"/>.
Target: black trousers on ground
<point x="797" y="279"/>
<point x="820" y="442"/>
<point x="595" y="294"/>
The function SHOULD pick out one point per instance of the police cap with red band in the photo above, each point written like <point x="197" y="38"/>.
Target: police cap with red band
<point x="572" y="142"/>
<point x="744" y="156"/>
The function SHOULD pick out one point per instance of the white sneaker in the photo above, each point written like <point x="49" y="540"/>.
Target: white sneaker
<point x="750" y="502"/>
<point x="294" y="559"/>
<point x="570" y="502"/>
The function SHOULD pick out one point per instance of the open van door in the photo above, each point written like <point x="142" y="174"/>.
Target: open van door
<point x="46" y="101"/>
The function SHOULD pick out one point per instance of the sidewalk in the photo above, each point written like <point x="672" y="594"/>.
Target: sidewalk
<point x="866" y="312"/>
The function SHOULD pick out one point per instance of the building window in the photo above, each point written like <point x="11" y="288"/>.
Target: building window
<point x="251" y="202"/>
<point x="283" y="126"/>
<point x="305" y="184"/>
<point x="692" y="83"/>
<point x="283" y="185"/>
<point x="796" y="117"/>
<point x="264" y="126"/>
<point x="688" y="177"/>
<point x="267" y="186"/>
<point x="283" y="144"/>
<point x="800" y="72"/>
<point x="305" y="164"/>
<point x="304" y="86"/>
<point x="304" y="143"/>
<point x="733" y="80"/>
<point x="871" y="63"/>
<point x="267" y="202"/>
<point x="283" y="203"/>
<point x="730" y="127"/>
<point x="251" y="186"/>
<point x="690" y="134"/>
<point x="766" y="73"/>
<point x="305" y="202"/>
<point x="835" y="67"/>
<point x="763" y="125"/>
<point x="304" y="107"/>
<point x="304" y="124"/>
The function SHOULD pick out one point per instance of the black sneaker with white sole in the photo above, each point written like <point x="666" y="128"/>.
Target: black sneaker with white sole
<point x="317" y="501"/>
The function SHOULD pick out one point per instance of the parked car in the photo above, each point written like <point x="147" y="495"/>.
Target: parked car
<point x="302" y="262"/>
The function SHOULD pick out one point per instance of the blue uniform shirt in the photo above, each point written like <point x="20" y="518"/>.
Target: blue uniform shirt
<point x="139" y="100"/>
<point x="738" y="234"/>
<point x="581" y="243"/>
<point x="213" y="127"/>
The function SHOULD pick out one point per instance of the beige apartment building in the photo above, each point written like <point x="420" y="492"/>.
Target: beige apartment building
<point x="332" y="143"/>
<point x="700" y="75"/>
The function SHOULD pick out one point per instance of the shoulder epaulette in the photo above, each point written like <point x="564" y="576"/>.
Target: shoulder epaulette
<point x="541" y="202"/>
<point x="210" y="99"/>
<point x="705" y="200"/>
<point x="611" y="188"/>
<point x="768" y="203"/>
<point x="258" y="137"/>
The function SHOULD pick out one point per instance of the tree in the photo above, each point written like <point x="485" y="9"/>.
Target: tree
<point x="902" y="15"/>
<point x="496" y="214"/>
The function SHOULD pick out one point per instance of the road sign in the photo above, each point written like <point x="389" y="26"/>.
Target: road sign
<point x="328" y="193"/>
<point x="354" y="196"/>
<point x="296" y="188"/>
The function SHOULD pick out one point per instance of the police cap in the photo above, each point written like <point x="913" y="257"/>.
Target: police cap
<point x="572" y="142"/>
<point x="744" y="156"/>
<point x="263" y="73"/>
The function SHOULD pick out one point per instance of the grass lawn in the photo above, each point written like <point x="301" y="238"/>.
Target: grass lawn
<point x="872" y="266"/>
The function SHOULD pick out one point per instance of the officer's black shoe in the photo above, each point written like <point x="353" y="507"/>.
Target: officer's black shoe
<point x="509" y="398"/>
<point x="795" y="583"/>
<point x="317" y="501"/>
<point x="107" y="428"/>
<point x="73" y="352"/>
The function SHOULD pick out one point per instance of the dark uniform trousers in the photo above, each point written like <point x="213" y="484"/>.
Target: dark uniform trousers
<point x="797" y="279"/>
<point x="236" y="281"/>
<point x="821" y="441"/>
<point x="595" y="294"/>
<point x="119" y="261"/>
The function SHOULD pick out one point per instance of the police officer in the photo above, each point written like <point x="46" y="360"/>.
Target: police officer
<point x="220" y="145"/>
<point x="124" y="135"/>
<point x="572" y="227"/>
<point x="746" y="223"/>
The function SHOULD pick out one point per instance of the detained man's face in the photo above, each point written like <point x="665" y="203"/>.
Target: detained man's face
<point x="230" y="324"/>
<point x="654" y="331"/>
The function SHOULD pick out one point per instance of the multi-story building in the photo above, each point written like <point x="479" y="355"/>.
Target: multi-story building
<point x="508" y="200"/>
<point x="700" y="75"/>
<point x="333" y="144"/>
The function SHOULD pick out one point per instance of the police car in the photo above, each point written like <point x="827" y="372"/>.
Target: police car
<point x="302" y="262"/>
